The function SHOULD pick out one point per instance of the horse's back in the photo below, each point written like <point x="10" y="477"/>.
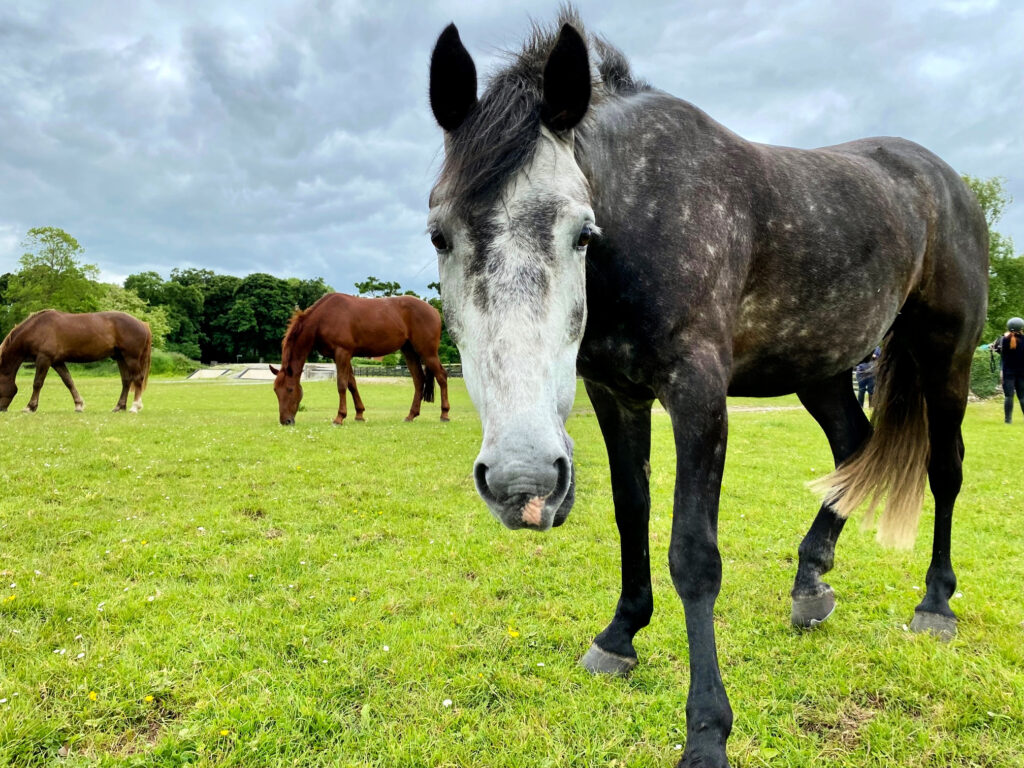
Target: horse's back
<point x="373" y="326"/>
<point x="798" y="260"/>
<point x="85" y="336"/>
<point x="954" y="272"/>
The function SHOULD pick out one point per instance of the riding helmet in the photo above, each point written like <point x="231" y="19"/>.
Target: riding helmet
<point x="1015" y="324"/>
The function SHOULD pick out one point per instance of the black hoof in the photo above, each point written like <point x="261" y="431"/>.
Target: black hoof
<point x="811" y="610"/>
<point x="714" y="758"/>
<point x="601" y="662"/>
<point x="935" y="624"/>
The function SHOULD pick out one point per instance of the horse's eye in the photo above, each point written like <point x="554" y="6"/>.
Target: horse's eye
<point x="438" y="240"/>
<point x="584" y="239"/>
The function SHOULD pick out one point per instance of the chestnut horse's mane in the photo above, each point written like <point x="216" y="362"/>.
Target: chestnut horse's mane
<point x="6" y="341"/>
<point x="296" y="324"/>
<point x="16" y="331"/>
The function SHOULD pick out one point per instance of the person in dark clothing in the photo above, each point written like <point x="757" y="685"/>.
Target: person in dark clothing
<point x="1010" y="347"/>
<point x="865" y="372"/>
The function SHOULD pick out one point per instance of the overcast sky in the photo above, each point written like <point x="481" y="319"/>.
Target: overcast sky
<point x="295" y="137"/>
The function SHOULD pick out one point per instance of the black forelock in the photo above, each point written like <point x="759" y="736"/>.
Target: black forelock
<point x="499" y="136"/>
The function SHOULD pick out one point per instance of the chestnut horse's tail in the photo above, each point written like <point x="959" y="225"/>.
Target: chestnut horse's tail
<point x="412" y="357"/>
<point x="428" y="384"/>
<point x="893" y="463"/>
<point x="146" y="357"/>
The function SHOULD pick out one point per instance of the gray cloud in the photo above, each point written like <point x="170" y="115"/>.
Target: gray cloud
<point x="298" y="140"/>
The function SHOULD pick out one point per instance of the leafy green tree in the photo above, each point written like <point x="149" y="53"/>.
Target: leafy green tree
<point x="192" y="276"/>
<point x="448" y="352"/>
<point x="219" y="341"/>
<point x="306" y="292"/>
<point x="242" y="324"/>
<point x="182" y="300"/>
<point x="5" y="305"/>
<point x="371" y="286"/>
<point x="1005" y="269"/>
<point x="148" y="286"/>
<point x="270" y="305"/>
<point x="115" y="298"/>
<point x="184" y="305"/>
<point x="51" y="276"/>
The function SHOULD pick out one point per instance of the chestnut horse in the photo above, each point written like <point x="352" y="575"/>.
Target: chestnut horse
<point x="51" y="339"/>
<point x="341" y="327"/>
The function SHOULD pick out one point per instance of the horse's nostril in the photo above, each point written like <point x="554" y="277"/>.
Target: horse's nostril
<point x="564" y="470"/>
<point x="480" y="475"/>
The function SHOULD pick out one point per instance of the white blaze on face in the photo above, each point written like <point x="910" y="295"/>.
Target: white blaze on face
<point x="518" y="313"/>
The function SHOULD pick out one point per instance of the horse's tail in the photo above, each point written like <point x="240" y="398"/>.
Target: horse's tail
<point x="893" y="463"/>
<point x="146" y="357"/>
<point x="412" y="357"/>
<point x="428" y="384"/>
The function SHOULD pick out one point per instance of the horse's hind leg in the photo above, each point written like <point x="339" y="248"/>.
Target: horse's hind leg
<point x="136" y="378"/>
<point x="42" y="367"/>
<point x="834" y="406"/>
<point x="357" y="401"/>
<point x="343" y="362"/>
<point x="627" y="436"/>
<point x="945" y="390"/>
<point x="65" y="376"/>
<point x="412" y="361"/>
<point x="126" y="383"/>
<point x="434" y="364"/>
<point x="137" y="401"/>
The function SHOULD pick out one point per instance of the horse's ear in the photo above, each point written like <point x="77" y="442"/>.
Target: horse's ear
<point x="452" y="80"/>
<point x="566" y="81"/>
<point x="274" y="370"/>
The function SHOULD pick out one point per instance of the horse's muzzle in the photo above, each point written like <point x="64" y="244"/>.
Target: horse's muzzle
<point x="537" y="497"/>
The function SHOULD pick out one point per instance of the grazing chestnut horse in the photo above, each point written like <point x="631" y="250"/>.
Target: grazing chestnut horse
<point x="51" y="339"/>
<point x="342" y="327"/>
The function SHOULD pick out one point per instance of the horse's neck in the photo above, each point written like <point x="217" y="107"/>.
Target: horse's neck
<point x="11" y="360"/>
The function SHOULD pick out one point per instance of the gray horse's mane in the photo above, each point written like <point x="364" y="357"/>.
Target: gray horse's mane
<point x="500" y="134"/>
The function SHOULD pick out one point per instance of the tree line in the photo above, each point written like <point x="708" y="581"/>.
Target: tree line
<point x="209" y="316"/>
<point x="195" y="312"/>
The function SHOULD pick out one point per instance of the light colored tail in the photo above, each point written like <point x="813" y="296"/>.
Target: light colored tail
<point x="892" y="466"/>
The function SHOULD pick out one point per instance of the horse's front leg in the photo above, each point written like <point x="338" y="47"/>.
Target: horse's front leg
<point x="65" y="376"/>
<point x="695" y="400"/>
<point x="42" y="367"/>
<point x="627" y="434"/>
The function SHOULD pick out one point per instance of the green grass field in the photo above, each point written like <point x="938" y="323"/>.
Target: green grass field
<point x="198" y="585"/>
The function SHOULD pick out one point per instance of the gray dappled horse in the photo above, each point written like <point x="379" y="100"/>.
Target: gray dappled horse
<point x="587" y="222"/>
